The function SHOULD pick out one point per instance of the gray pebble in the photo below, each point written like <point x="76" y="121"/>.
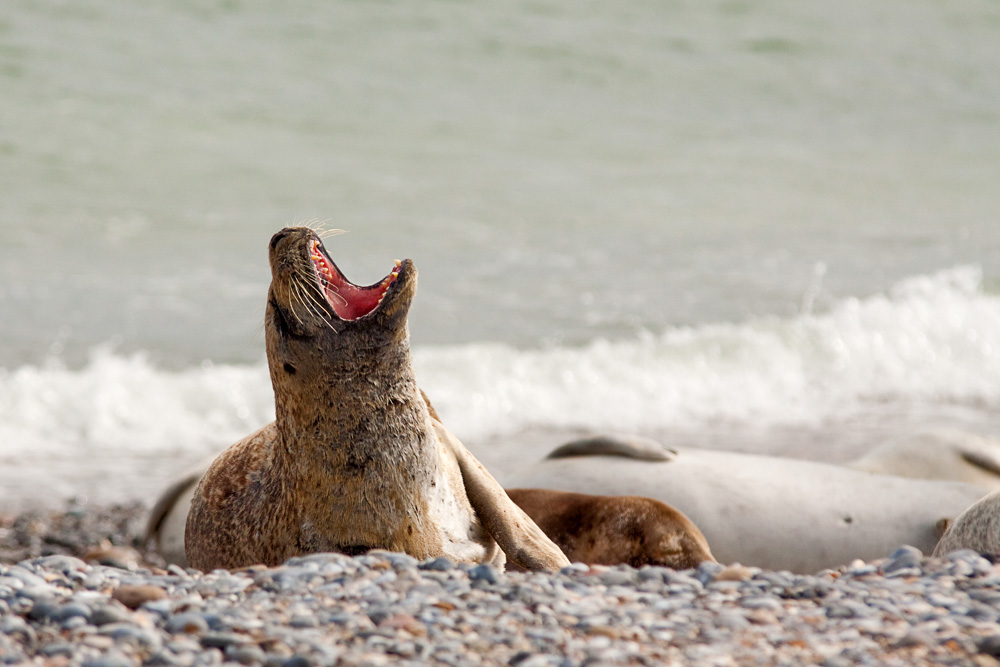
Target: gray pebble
<point x="303" y="621"/>
<point x="71" y="610"/>
<point x="178" y="571"/>
<point x="534" y="660"/>
<point x="441" y="564"/>
<point x="486" y="573"/>
<point x="188" y="623"/>
<point x="389" y="609"/>
<point x="707" y="571"/>
<point x="899" y="571"/>
<point x="125" y="633"/>
<point x="56" y="649"/>
<point x="58" y="563"/>
<point x="110" y="613"/>
<point x="913" y="638"/>
<point x="249" y="654"/>
<point x="617" y="578"/>
<point x="15" y="625"/>
<point x="397" y="560"/>
<point x="44" y="609"/>
<point x="27" y="578"/>
<point x="760" y="602"/>
<point x="967" y="555"/>
<point x="655" y="574"/>
<point x="113" y="658"/>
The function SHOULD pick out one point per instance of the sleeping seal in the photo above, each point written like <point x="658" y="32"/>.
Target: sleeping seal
<point x="770" y="512"/>
<point x="613" y="530"/>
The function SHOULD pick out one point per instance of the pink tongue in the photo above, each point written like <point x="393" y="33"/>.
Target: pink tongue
<point x="348" y="301"/>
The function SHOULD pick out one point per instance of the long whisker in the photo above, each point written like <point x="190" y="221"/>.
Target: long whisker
<point x="306" y="292"/>
<point x="310" y="276"/>
<point x="310" y="301"/>
<point x="297" y="293"/>
<point x="291" y="304"/>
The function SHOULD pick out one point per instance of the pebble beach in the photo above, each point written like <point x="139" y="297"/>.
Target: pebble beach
<point x="78" y="587"/>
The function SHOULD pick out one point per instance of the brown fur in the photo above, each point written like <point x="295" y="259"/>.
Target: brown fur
<point x="353" y="460"/>
<point x="610" y="530"/>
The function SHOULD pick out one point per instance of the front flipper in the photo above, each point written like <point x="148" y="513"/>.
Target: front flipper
<point x="988" y="459"/>
<point x="514" y="531"/>
<point x="629" y="446"/>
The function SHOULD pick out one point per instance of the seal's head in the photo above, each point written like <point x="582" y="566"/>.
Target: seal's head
<point x="321" y="324"/>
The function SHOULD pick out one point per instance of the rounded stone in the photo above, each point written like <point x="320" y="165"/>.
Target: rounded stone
<point x="126" y="633"/>
<point x="71" y="610"/>
<point x="59" y="563"/>
<point x="188" y="623"/>
<point x="484" y="572"/>
<point x="112" y="658"/>
<point x="440" y="564"/>
<point x="44" y="609"/>
<point x="109" y="613"/>
<point x="249" y="654"/>
<point x="134" y="596"/>
<point x="54" y="649"/>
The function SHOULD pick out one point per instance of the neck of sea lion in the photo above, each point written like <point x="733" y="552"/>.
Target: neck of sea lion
<point x="359" y="446"/>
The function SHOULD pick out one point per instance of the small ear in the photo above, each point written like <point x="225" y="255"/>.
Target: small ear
<point x="942" y="526"/>
<point x="518" y="536"/>
<point x="628" y="446"/>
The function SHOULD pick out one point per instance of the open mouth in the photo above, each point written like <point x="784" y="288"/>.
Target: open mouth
<point x="348" y="301"/>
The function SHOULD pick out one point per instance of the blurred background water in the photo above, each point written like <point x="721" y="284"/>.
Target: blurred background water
<point x="769" y="226"/>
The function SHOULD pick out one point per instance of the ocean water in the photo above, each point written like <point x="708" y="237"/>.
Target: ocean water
<point x="766" y="226"/>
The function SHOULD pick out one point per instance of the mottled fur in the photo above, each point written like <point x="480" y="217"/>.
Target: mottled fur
<point x="609" y="530"/>
<point x="353" y="461"/>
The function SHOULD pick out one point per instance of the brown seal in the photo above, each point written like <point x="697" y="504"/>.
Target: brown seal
<point x="609" y="530"/>
<point x="353" y="461"/>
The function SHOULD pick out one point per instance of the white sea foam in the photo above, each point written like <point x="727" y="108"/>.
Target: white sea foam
<point x="930" y="340"/>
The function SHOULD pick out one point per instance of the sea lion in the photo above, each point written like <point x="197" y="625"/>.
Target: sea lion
<point x="774" y="513"/>
<point x="353" y="461"/>
<point x="611" y="530"/>
<point x="976" y="528"/>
